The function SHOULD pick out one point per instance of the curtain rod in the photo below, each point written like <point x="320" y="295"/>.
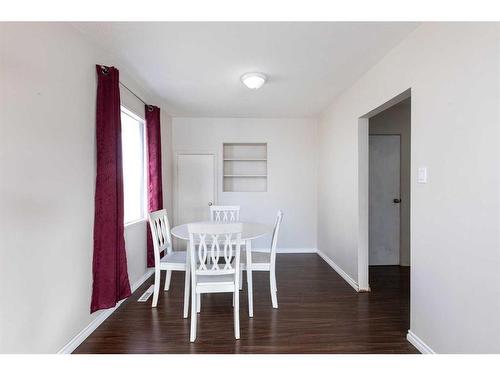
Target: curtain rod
<point x="105" y="71"/>
<point x="150" y="107"/>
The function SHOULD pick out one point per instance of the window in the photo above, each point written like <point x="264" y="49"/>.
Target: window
<point x="133" y="156"/>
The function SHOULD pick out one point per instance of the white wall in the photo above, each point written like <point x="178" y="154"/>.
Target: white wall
<point x="47" y="179"/>
<point x="453" y="70"/>
<point x="292" y="178"/>
<point x="167" y="162"/>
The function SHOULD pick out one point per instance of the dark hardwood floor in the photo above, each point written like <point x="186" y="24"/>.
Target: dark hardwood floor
<point x="318" y="313"/>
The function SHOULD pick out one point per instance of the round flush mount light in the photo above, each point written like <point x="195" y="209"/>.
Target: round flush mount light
<point x="253" y="81"/>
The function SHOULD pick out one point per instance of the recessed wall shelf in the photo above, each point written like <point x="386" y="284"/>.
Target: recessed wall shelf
<point x="245" y="167"/>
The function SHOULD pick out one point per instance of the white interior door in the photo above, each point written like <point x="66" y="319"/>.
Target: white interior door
<point x="195" y="187"/>
<point x="384" y="198"/>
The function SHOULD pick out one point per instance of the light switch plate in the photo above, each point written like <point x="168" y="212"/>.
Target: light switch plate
<point x="422" y="175"/>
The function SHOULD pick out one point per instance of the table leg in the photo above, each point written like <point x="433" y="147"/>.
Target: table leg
<point x="248" y="246"/>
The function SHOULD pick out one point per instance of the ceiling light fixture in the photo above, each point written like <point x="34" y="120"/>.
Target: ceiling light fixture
<point x="253" y="81"/>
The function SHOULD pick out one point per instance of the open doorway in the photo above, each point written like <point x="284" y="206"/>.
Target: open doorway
<point x="389" y="186"/>
<point x="389" y="176"/>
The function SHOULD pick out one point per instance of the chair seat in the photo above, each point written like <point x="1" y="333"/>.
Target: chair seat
<point x="215" y="283"/>
<point x="257" y="257"/>
<point x="212" y="279"/>
<point x="174" y="258"/>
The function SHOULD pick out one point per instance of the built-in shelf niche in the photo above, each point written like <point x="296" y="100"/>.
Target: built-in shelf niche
<point x="245" y="167"/>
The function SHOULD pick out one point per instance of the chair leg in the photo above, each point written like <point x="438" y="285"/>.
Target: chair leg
<point x="274" y="295"/>
<point x="241" y="278"/>
<point x="194" y="316"/>
<point x="198" y="302"/>
<point x="187" y="282"/>
<point x="236" y="295"/>
<point x="248" y="248"/>
<point x="167" y="279"/>
<point x="156" y="290"/>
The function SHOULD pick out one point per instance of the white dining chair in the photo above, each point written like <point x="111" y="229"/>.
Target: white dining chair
<point x="266" y="261"/>
<point x="217" y="242"/>
<point x="225" y="213"/>
<point x="171" y="261"/>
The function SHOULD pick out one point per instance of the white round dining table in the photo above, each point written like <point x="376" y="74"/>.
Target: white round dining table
<point x="250" y="232"/>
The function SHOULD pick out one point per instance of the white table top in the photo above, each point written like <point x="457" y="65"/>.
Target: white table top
<point x="250" y="230"/>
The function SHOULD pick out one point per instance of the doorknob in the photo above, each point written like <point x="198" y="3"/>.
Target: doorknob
<point x="210" y="203"/>
<point x="397" y="200"/>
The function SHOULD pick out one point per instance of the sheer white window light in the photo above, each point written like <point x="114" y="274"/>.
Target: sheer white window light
<point x="134" y="177"/>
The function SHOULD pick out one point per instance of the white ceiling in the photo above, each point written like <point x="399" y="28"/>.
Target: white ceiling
<point x="195" y="67"/>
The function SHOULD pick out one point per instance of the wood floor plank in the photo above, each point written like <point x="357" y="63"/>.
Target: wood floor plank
<point x="318" y="313"/>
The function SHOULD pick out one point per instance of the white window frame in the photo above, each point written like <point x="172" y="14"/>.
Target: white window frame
<point x="144" y="203"/>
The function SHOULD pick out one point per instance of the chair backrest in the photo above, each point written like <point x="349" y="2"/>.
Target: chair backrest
<point x="225" y="213"/>
<point x="211" y="242"/>
<point x="274" y="240"/>
<point x="160" y="233"/>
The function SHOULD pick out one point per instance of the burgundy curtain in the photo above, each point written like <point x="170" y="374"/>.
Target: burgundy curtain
<point x="109" y="265"/>
<point x="155" y="193"/>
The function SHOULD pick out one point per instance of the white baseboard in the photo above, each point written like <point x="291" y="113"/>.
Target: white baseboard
<point x="143" y="279"/>
<point x="99" y="318"/>
<point x="287" y="250"/>
<point x="339" y="270"/>
<point x="419" y="344"/>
